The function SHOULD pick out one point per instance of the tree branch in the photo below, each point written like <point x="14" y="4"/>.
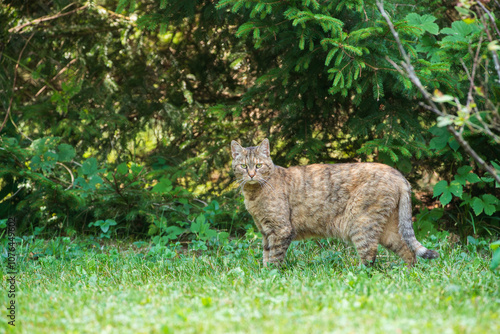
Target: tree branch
<point x="45" y="18"/>
<point x="492" y="20"/>
<point x="14" y="86"/>
<point x="410" y="71"/>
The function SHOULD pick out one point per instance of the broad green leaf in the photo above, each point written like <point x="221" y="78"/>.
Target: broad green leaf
<point x="495" y="260"/>
<point x="456" y="189"/>
<point x="136" y="168"/>
<point x="201" y="219"/>
<point x="89" y="167"/>
<point x="445" y="198"/>
<point x="122" y="168"/>
<point x="35" y="162"/>
<point x="173" y="231"/>
<point x="66" y="152"/>
<point x="163" y="187"/>
<point x="199" y="226"/>
<point x="472" y="240"/>
<point x="440" y="187"/>
<point x="473" y="178"/>
<point x="497" y="171"/>
<point x="425" y="22"/>
<point x="50" y="159"/>
<point x="209" y="233"/>
<point x="477" y="205"/>
<point x="428" y="44"/>
<point x="495" y="245"/>
<point x="464" y="169"/>
<point x="44" y="144"/>
<point x="491" y="199"/>
<point x="489" y="202"/>
<point x="487" y="179"/>
<point x="459" y="32"/>
<point x="104" y="227"/>
<point x="454" y="145"/>
<point x="94" y="180"/>
<point x="461" y="176"/>
<point x="441" y="140"/>
<point x="96" y="223"/>
<point x="223" y="237"/>
<point x="463" y="11"/>
<point x="111" y="222"/>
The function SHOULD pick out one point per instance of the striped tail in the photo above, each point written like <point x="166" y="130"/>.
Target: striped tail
<point x="406" y="228"/>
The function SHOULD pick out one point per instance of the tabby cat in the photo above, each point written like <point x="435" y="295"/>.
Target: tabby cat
<point x="365" y="203"/>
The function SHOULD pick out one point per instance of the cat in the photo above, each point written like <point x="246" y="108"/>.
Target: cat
<point x="365" y="203"/>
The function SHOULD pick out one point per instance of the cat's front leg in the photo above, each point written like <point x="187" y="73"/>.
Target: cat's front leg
<point x="279" y="241"/>
<point x="265" y="247"/>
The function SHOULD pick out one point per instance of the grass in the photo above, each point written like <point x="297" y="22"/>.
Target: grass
<point x="118" y="288"/>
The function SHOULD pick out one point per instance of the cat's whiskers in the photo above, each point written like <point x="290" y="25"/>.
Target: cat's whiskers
<point x="242" y="184"/>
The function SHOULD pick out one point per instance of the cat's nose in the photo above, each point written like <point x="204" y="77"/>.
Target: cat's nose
<point x="251" y="173"/>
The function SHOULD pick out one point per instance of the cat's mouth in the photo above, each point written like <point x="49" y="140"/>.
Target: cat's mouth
<point x="253" y="182"/>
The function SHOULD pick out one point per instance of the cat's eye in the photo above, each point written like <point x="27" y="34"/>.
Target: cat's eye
<point x="258" y="165"/>
<point x="243" y="166"/>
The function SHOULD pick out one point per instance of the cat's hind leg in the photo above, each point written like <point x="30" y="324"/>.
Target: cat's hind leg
<point x="392" y="240"/>
<point x="365" y="237"/>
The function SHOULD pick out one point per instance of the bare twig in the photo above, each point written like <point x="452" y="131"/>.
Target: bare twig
<point x="492" y="19"/>
<point x="45" y="18"/>
<point x="410" y="72"/>
<point x="202" y="202"/>
<point x="14" y="84"/>
<point x="472" y="75"/>
<point x="58" y="74"/>
<point x="493" y="52"/>
<point x="70" y="173"/>
<point x="11" y="196"/>
<point x="498" y="3"/>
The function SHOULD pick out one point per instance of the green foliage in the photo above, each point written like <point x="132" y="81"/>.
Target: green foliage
<point x="125" y="109"/>
<point x="427" y="222"/>
<point x="486" y="203"/>
<point x="130" y="193"/>
<point x="446" y="190"/>
<point x="495" y="260"/>
<point x="463" y="188"/>
<point x="474" y="191"/>
<point x="46" y="156"/>
<point x="424" y="22"/>
<point x="201" y="228"/>
<point x="104" y="225"/>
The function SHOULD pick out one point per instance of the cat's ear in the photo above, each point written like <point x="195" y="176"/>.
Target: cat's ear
<point x="236" y="149"/>
<point x="264" y="148"/>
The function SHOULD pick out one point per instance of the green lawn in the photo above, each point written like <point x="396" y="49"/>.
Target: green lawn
<point x="122" y="289"/>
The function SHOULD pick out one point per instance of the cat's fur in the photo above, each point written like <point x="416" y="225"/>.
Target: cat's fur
<point x="366" y="203"/>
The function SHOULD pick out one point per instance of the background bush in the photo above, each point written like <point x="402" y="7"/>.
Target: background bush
<point x="123" y="111"/>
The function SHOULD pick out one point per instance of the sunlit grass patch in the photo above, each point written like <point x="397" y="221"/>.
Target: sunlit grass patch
<point x="122" y="289"/>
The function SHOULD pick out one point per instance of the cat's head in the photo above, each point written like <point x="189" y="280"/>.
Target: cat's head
<point x="252" y="164"/>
